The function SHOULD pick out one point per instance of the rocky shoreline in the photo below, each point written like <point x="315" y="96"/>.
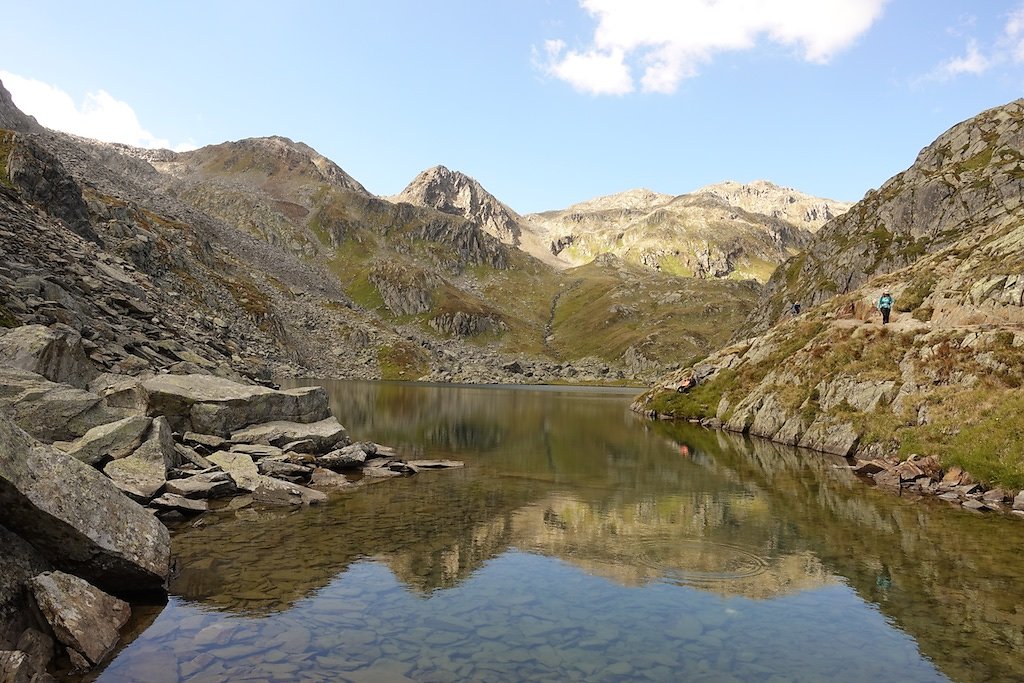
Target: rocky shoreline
<point x="92" y="466"/>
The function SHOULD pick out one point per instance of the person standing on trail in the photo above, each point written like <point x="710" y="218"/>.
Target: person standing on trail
<point x="885" y="306"/>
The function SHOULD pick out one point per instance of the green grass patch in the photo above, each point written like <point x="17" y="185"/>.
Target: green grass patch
<point x="364" y="293"/>
<point x="402" y="360"/>
<point x="915" y="293"/>
<point x="981" y="430"/>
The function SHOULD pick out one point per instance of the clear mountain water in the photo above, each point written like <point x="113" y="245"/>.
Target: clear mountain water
<point x="583" y="543"/>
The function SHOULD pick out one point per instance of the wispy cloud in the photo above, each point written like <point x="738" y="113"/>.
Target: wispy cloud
<point x="977" y="59"/>
<point x="972" y="62"/>
<point x="667" y="41"/>
<point x="100" y="115"/>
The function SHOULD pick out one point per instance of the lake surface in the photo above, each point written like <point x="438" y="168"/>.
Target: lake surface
<point x="583" y="543"/>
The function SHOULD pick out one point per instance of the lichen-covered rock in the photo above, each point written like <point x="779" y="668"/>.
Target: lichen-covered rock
<point x="50" y="411"/>
<point x="77" y="518"/>
<point x="110" y="441"/>
<point x="142" y="474"/>
<point x="323" y="436"/>
<point x="82" y="616"/>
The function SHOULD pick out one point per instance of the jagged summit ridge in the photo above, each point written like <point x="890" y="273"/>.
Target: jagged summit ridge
<point x="769" y="199"/>
<point x="456" y="193"/>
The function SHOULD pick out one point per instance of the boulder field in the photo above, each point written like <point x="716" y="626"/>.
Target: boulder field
<point x="93" y="464"/>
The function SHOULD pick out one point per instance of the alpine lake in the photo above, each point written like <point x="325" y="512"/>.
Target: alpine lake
<point x="581" y="542"/>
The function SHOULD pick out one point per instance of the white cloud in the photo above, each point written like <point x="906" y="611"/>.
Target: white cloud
<point x="667" y="40"/>
<point x="99" y="116"/>
<point x="1012" y="41"/>
<point x="973" y="62"/>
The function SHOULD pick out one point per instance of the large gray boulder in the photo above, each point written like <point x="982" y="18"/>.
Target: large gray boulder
<point x="323" y="436"/>
<point x="142" y="474"/>
<point x="50" y="411"/>
<point x="110" y="441"/>
<point x="214" y="405"/>
<point x="54" y="352"/>
<point x="77" y="518"/>
<point x="83" y="617"/>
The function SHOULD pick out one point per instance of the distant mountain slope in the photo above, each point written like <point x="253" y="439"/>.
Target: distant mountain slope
<point x="946" y="236"/>
<point x="725" y="230"/>
<point x="261" y="256"/>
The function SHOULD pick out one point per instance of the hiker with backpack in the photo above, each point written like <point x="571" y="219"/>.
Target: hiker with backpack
<point x="885" y="306"/>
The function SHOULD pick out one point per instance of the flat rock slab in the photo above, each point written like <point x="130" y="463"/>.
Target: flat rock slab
<point x="322" y="436"/>
<point x="240" y="466"/>
<point x="273" y="491"/>
<point x="111" y="441"/>
<point x="435" y="464"/>
<point x="257" y="451"/>
<point x="208" y="485"/>
<point x="176" y="503"/>
<point x="82" y="616"/>
<point x="264" y="489"/>
<point x="214" y="405"/>
<point x="77" y="518"/>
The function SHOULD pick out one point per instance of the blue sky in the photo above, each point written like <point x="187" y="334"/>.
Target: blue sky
<point x="546" y="102"/>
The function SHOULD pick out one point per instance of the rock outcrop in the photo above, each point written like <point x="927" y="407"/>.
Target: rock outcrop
<point x="77" y="518"/>
<point x="456" y="193"/>
<point x="84" y="618"/>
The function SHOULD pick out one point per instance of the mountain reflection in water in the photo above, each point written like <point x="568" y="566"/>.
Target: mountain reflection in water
<point x="581" y="542"/>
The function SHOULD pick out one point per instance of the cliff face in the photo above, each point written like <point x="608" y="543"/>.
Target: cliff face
<point x="946" y="237"/>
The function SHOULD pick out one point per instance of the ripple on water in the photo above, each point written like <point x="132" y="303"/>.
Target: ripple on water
<point x="699" y="561"/>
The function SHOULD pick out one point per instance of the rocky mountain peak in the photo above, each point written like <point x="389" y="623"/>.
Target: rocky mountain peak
<point x="456" y="193"/>
<point x="272" y="158"/>
<point x="769" y="199"/>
